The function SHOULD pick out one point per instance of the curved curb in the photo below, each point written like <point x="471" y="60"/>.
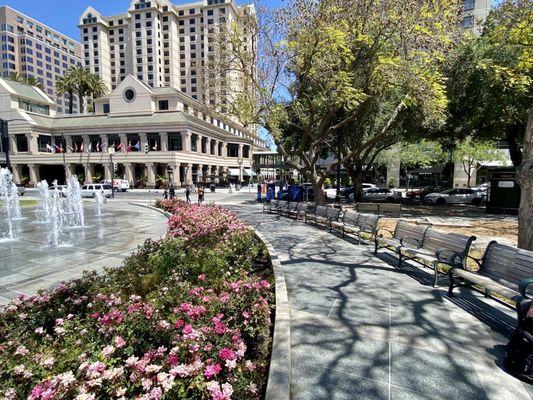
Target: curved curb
<point x="279" y="375"/>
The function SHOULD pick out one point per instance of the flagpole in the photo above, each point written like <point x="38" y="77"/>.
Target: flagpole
<point x="63" y="154"/>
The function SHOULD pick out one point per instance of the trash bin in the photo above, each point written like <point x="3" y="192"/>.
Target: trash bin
<point x="212" y="187"/>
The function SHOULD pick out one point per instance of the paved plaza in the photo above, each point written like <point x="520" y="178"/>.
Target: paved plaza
<point x="27" y="265"/>
<point x="363" y="329"/>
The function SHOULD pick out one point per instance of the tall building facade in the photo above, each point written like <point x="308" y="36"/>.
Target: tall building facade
<point x="475" y="12"/>
<point x="32" y="49"/>
<point x="163" y="44"/>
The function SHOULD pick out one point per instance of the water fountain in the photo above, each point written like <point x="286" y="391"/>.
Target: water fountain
<point x="10" y="198"/>
<point x="43" y="209"/>
<point x="74" y="211"/>
<point x="55" y="216"/>
<point x="99" y="197"/>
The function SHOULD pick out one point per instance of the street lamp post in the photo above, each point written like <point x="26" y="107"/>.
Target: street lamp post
<point x="111" y="151"/>
<point x="169" y="172"/>
<point x="240" y="161"/>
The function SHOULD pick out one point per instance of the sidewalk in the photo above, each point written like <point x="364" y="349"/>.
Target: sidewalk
<point x="362" y="329"/>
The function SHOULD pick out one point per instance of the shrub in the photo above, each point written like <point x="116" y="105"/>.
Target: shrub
<point x="179" y="320"/>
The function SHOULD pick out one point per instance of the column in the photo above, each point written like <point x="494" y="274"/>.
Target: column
<point x="123" y="140"/>
<point x="176" y="179"/>
<point x="200" y="173"/>
<point x="186" y="138"/>
<point x="128" y="171"/>
<point x="103" y="140"/>
<point x="88" y="171"/>
<point x="188" y="174"/>
<point x="86" y="143"/>
<point x="163" y="137"/>
<point x="150" y="175"/>
<point x="224" y="150"/>
<point x="34" y="174"/>
<point x="144" y="140"/>
<point x="13" y="144"/>
<point x="107" y="171"/>
<point x="68" y="143"/>
<point x="70" y="170"/>
<point x="32" y="143"/>
<point x="241" y="146"/>
<point x="208" y="146"/>
<point x="15" y="169"/>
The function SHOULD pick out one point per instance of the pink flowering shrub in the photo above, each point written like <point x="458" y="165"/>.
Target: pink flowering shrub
<point x="176" y="321"/>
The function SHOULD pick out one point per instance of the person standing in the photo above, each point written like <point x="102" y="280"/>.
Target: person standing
<point x="172" y="192"/>
<point x="201" y="192"/>
<point x="188" y="194"/>
<point x="165" y="194"/>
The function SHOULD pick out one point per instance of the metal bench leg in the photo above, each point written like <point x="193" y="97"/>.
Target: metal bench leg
<point x="400" y="259"/>
<point x="375" y="247"/>
<point x="451" y="286"/>
<point x="436" y="269"/>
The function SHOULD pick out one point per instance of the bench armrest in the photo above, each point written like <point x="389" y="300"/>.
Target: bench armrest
<point x="522" y="286"/>
<point x="385" y="230"/>
<point x="448" y="257"/>
<point x="406" y="239"/>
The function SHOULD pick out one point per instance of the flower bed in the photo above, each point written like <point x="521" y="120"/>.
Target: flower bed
<point x="184" y="318"/>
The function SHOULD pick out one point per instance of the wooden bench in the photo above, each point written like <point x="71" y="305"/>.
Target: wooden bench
<point x="359" y="224"/>
<point x="390" y="209"/>
<point x="504" y="270"/>
<point x="347" y="215"/>
<point x="270" y="206"/>
<point x="334" y="215"/>
<point x="300" y="211"/>
<point x="437" y="248"/>
<point x="404" y="231"/>
<point x="319" y="216"/>
<point x="290" y="207"/>
<point x="282" y="205"/>
<point x="368" y="208"/>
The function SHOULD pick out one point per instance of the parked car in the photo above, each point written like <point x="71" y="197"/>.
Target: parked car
<point x="348" y="190"/>
<point x="62" y="189"/>
<point x="90" y="190"/>
<point x="421" y="193"/>
<point x="21" y="189"/>
<point x="457" y="196"/>
<point x="382" y="195"/>
<point x="119" y="185"/>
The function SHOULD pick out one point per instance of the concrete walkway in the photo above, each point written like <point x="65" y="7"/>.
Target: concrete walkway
<point x="363" y="329"/>
<point x="27" y="265"/>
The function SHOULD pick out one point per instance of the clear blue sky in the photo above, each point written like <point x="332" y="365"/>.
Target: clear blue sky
<point x="63" y="15"/>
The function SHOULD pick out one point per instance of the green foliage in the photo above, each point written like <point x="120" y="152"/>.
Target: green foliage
<point x="420" y="154"/>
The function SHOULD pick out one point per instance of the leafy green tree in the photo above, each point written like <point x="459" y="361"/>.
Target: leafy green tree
<point x="469" y="154"/>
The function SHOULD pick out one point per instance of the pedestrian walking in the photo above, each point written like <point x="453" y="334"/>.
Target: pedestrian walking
<point x="165" y="194"/>
<point x="201" y="192"/>
<point x="172" y="192"/>
<point x="188" y="194"/>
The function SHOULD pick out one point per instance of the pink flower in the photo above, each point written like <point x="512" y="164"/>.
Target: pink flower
<point x="119" y="342"/>
<point x="212" y="370"/>
<point x="201" y="277"/>
<point x="220" y="328"/>
<point x="187" y="329"/>
<point x="108" y="350"/>
<point x="227" y="354"/>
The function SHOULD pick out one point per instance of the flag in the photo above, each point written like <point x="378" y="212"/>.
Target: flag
<point x="75" y="147"/>
<point x="81" y="147"/>
<point x="98" y="147"/>
<point x="61" y="148"/>
<point x="155" y="147"/>
<point x="138" y="145"/>
<point x="58" y="149"/>
<point x="70" y="148"/>
<point x="129" y="148"/>
<point x="49" y="148"/>
<point x="90" y="148"/>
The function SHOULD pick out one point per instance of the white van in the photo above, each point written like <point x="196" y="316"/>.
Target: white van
<point x="91" y="189"/>
<point x="119" y="185"/>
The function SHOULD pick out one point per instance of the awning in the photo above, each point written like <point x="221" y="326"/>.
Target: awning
<point x="245" y="172"/>
<point x="249" y="172"/>
<point x="233" y="171"/>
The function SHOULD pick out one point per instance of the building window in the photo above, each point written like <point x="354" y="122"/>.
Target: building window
<point x="194" y="142"/>
<point x="133" y="140"/>
<point x="174" y="141"/>
<point x="468" y="22"/>
<point x="163" y="105"/>
<point x="113" y="140"/>
<point x="469" y="5"/>
<point x="154" y="142"/>
<point x="33" y="107"/>
<point x="22" y="143"/>
<point x="106" y="108"/>
<point x="43" y="142"/>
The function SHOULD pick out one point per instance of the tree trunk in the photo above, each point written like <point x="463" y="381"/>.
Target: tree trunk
<point x="318" y="188"/>
<point x="81" y="103"/>
<point x="356" y="173"/>
<point x="513" y="132"/>
<point x="525" y="178"/>
<point x="70" y="96"/>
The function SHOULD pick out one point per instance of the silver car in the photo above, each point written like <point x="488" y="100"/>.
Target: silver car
<point x="456" y="196"/>
<point x="382" y="194"/>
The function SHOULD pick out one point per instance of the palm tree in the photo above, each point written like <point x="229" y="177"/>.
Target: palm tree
<point x="27" y="80"/>
<point x="97" y="87"/>
<point x="81" y="77"/>
<point x="16" y="77"/>
<point x="67" y="85"/>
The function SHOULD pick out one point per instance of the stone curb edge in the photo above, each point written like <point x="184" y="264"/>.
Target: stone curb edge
<point x="279" y="376"/>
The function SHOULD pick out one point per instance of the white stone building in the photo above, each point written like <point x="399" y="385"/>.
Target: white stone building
<point x="161" y="127"/>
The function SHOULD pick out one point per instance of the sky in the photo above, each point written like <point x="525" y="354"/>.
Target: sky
<point x="63" y="15"/>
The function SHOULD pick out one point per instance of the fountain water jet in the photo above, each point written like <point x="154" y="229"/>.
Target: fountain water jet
<point x="99" y="197"/>
<point x="43" y="209"/>
<point x="55" y="216"/>
<point x="74" y="203"/>
<point x="10" y="197"/>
